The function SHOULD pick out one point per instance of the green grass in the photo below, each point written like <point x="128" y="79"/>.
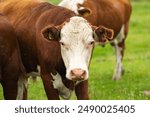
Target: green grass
<point x="54" y="1"/>
<point x="136" y="62"/>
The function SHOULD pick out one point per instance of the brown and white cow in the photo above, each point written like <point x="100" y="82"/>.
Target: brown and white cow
<point x="114" y="14"/>
<point x="57" y="40"/>
<point x="12" y="72"/>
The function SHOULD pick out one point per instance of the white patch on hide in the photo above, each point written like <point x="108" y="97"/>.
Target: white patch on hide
<point x="64" y="92"/>
<point x="120" y="36"/>
<point x="71" y="4"/>
<point x="119" y="67"/>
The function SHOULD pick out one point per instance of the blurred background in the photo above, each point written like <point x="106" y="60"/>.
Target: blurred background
<point x="135" y="84"/>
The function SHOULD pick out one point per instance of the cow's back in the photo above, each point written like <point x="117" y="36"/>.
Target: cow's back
<point x="17" y="10"/>
<point x="111" y="13"/>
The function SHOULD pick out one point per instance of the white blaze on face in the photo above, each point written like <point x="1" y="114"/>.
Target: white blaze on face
<point x="76" y="45"/>
<point x="71" y="4"/>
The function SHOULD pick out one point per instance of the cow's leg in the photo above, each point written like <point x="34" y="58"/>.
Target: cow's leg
<point x="10" y="85"/>
<point x="81" y="90"/>
<point x="9" y="88"/>
<point x="25" y="94"/>
<point x="12" y="90"/>
<point x="12" y="71"/>
<point x="9" y="82"/>
<point x="22" y="88"/>
<point x="119" y="56"/>
<point x="0" y="74"/>
<point x="119" y="45"/>
<point x="52" y="94"/>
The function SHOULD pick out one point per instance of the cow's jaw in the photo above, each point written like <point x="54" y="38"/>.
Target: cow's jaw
<point x="76" y="47"/>
<point x="71" y="4"/>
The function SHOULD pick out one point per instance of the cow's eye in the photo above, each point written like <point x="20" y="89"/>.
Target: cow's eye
<point x="91" y="43"/>
<point x="61" y="43"/>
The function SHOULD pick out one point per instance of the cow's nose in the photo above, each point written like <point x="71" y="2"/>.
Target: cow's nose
<point x="78" y="74"/>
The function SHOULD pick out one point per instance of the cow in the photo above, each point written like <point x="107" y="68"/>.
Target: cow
<point x="114" y="14"/>
<point x="12" y="71"/>
<point x="58" y="41"/>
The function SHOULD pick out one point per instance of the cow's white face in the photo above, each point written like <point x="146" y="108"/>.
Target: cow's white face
<point x="77" y="43"/>
<point x="76" y="38"/>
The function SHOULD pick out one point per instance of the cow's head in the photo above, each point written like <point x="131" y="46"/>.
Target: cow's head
<point x="77" y="38"/>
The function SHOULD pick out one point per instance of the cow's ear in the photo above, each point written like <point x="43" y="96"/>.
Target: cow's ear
<point x="51" y="33"/>
<point x="84" y="12"/>
<point x="103" y="34"/>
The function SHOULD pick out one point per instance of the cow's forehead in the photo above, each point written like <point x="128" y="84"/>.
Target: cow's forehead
<point x="76" y="28"/>
<point x="72" y="4"/>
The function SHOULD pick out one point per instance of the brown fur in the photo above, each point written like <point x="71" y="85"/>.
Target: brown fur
<point x="109" y="13"/>
<point x="29" y="21"/>
<point x="17" y="9"/>
<point x="11" y="67"/>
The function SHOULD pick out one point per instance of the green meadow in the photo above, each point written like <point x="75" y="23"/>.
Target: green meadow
<point x="135" y="84"/>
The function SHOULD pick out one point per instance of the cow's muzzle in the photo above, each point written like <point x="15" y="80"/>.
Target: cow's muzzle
<point x="78" y="74"/>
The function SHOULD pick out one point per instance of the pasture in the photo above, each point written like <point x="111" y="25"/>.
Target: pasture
<point x="135" y="84"/>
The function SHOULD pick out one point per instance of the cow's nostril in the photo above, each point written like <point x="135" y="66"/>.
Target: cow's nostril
<point x="78" y="73"/>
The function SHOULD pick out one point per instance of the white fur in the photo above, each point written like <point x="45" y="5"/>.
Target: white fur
<point x="23" y="82"/>
<point x="76" y="52"/>
<point x="71" y="4"/>
<point x="64" y="92"/>
<point x="22" y="85"/>
<point x="119" y="67"/>
<point x="120" y="36"/>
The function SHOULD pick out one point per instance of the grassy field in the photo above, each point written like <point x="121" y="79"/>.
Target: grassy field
<point x="136" y="79"/>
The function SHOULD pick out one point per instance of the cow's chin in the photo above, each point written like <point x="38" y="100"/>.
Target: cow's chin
<point x="76" y="79"/>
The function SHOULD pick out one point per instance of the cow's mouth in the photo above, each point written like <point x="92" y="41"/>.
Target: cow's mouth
<point x="77" y="79"/>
